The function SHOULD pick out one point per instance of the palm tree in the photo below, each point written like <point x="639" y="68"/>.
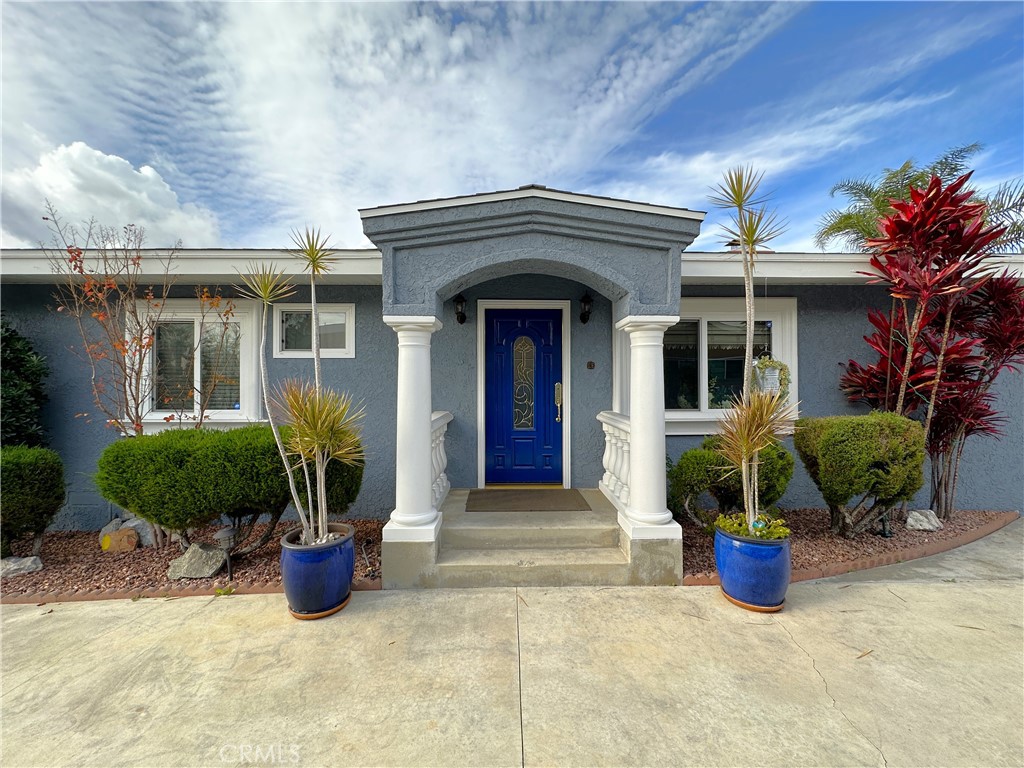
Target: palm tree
<point x="870" y="200"/>
<point x="323" y="424"/>
<point x="754" y="420"/>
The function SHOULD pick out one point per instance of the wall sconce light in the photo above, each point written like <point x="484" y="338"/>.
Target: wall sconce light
<point x="460" y="309"/>
<point x="586" y="304"/>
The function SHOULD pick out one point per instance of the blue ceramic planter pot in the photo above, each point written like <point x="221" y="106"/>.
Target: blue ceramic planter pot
<point x="318" y="579"/>
<point x="754" y="572"/>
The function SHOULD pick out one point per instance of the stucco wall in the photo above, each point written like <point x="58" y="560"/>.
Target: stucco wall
<point x="369" y="377"/>
<point x="832" y="322"/>
<point x="79" y="440"/>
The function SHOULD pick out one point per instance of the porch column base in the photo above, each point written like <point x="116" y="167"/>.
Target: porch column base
<point x="428" y="531"/>
<point x="636" y="530"/>
<point x="655" y="552"/>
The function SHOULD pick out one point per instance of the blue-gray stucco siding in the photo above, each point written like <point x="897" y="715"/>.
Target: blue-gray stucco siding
<point x="832" y="321"/>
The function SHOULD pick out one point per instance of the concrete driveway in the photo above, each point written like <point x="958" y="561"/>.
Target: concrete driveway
<point x="919" y="664"/>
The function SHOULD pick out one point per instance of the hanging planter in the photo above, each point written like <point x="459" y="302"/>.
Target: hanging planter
<point x="772" y="376"/>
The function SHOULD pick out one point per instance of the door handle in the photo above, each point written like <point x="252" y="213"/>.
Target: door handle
<point x="558" y="402"/>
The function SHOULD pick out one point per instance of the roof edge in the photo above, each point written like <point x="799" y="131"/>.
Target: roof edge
<point x="531" y="190"/>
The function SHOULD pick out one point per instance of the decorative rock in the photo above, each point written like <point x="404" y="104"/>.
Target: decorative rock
<point x="17" y="566"/>
<point x="201" y="561"/>
<point x="144" y="529"/>
<point x="923" y="520"/>
<point x="121" y="540"/>
<point x="124" y="514"/>
<point x="110" y="527"/>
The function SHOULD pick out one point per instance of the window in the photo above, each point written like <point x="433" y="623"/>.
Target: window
<point x="703" y="366"/>
<point x="199" y="362"/>
<point x="293" y="330"/>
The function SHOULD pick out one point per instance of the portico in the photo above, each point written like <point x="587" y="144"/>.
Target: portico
<point x="529" y="427"/>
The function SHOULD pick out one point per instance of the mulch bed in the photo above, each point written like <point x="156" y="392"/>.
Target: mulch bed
<point x="74" y="562"/>
<point x="75" y="566"/>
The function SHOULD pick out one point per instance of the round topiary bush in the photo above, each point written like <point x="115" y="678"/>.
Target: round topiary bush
<point x="22" y="373"/>
<point x="877" y="459"/>
<point x="185" y="478"/>
<point x="775" y="470"/>
<point x="31" y="493"/>
<point x="163" y="478"/>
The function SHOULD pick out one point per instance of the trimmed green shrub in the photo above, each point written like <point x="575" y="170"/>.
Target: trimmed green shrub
<point x="877" y="459"/>
<point x="688" y="479"/>
<point x="165" y="478"/>
<point x="775" y="470"/>
<point x="185" y="478"/>
<point x="22" y="373"/>
<point x="31" y="493"/>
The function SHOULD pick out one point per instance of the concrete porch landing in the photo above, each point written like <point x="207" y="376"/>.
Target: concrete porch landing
<point x="528" y="544"/>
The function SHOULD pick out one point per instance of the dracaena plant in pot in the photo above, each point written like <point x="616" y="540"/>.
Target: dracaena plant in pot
<point x="752" y="554"/>
<point x="313" y="425"/>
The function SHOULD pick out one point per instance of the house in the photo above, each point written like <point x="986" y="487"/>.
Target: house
<point x="523" y="338"/>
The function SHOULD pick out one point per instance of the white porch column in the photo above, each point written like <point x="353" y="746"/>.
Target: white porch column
<point x="647" y="515"/>
<point x="414" y="517"/>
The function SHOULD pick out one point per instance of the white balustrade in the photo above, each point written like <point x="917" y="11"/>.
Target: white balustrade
<point x="615" y="482"/>
<point x="438" y="457"/>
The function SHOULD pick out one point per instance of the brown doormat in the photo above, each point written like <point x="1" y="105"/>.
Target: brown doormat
<point x="526" y="500"/>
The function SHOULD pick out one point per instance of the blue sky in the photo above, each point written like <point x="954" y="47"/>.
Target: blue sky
<point x="229" y="124"/>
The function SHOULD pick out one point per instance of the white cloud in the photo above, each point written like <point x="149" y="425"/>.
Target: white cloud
<point x="83" y="183"/>
<point x="365" y="105"/>
<point x="279" y="114"/>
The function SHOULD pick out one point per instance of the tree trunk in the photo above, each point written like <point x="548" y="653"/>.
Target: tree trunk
<point x="888" y="360"/>
<point x="915" y="327"/>
<point x="835" y="518"/>
<point x="314" y="329"/>
<point x="265" y="387"/>
<point x="748" y="295"/>
<point x="938" y="373"/>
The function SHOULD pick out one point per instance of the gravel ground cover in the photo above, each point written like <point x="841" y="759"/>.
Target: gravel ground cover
<point x="74" y="562"/>
<point x="814" y="546"/>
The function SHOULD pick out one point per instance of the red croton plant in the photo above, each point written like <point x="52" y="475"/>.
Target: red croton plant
<point x="962" y="323"/>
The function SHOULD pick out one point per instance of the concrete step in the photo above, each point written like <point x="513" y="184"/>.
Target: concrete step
<point x="536" y="530"/>
<point x="533" y="567"/>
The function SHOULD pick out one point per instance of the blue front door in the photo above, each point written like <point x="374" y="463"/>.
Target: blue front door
<point x="523" y="384"/>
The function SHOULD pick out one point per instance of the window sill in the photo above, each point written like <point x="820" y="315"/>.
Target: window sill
<point x="700" y="423"/>
<point x="325" y="354"/>
<point x="155" y="424"/>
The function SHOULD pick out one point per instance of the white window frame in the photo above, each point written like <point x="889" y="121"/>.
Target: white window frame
<point x="245" y="314"/>
<point x="782" y="312"/>
<point x="350" y="330"/>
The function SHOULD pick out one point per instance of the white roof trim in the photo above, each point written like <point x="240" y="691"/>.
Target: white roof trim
<point x="518" y="194"/>
<point x="718" y="267"/>
<point x="354" y="266"/>
<point x="363" y="266"/>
